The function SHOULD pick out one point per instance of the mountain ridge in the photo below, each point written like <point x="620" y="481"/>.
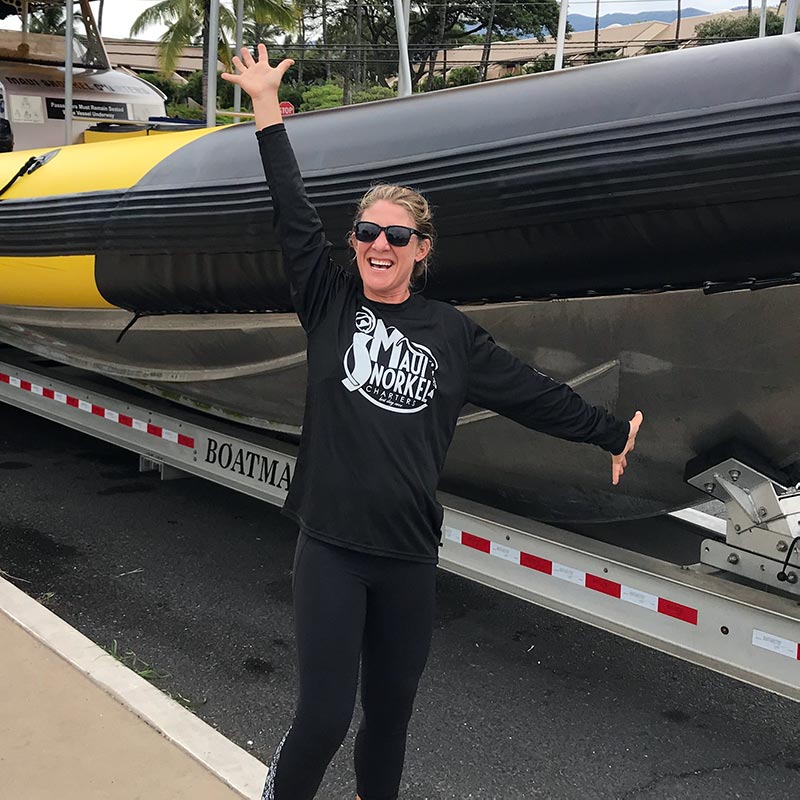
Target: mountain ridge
<point x="581" y="22"/>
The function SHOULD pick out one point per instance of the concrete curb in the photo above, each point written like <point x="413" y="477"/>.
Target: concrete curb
<point x="230" y="763"/>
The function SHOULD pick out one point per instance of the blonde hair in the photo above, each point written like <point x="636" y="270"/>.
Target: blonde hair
<point x="413" y="202"/>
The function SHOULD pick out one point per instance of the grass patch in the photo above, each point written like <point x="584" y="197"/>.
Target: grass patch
<point x="141" y="667"/>
<point x="46" y="598"/>
<point x="147" y="671"/>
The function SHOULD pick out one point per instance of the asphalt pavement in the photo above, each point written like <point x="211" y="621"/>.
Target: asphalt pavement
<point x="190" y="584"/>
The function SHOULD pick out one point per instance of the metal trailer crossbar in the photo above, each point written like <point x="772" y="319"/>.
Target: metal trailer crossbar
<point x="694" y="612"/>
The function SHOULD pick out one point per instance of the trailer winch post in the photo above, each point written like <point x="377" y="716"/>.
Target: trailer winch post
<point x="790" y="20"/>
<point x="69" y="35"/>
<point x="402" y="12"/>
<point x="237" y="90"/>
<point x="562" y="35"/>
<point x="212" y="45"/>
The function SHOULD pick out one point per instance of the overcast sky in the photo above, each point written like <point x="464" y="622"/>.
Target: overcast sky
<point x="119" y="14"/>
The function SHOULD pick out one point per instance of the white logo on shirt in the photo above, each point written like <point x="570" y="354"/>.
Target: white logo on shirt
<point x="388" y="369"/>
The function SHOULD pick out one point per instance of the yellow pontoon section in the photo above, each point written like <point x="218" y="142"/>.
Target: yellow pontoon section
<point x="52" y="282"/>
<point x="97" y="167"/>
<point x="68" y="281"/>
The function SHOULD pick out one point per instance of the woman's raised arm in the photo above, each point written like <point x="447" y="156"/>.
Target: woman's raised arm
<point x="312" y="276"/>
<point x="261" y="82"/>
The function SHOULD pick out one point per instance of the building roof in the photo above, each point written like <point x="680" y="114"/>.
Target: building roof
<point x="141" y="56"/>
<point x="625" y="40"/>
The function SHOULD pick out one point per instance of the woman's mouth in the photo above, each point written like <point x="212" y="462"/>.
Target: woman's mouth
<point x="379" y="263"/>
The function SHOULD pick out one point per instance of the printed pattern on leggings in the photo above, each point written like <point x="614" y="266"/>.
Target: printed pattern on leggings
<point x="269" y="786"/>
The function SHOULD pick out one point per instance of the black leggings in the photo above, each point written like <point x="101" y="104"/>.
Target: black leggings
<point x="352" y="607"/>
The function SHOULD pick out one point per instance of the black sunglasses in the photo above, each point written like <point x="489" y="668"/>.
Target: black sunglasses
<point x="396" y="235"/>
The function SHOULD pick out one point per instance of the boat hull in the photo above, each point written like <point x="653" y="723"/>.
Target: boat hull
<point x="647" y="198"/>
<point x="703" y="368"/>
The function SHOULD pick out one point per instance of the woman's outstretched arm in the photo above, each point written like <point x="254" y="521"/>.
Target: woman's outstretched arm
<point x="501" y="382"/>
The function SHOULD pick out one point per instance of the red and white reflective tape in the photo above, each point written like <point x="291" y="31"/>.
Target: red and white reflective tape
<point x="565" y="573"/>
<point x="776" y="644"/>
<point x="99" y="411"/>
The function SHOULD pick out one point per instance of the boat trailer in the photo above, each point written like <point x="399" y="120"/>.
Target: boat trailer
<point x="735" y="611"/>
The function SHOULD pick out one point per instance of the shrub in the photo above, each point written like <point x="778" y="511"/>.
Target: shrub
<point x="543" y="63"/>
<point x="463" y="76"/>
<point x="427" y="85"/>
<point x="172" y="89"/>
<point x="723" y="28"/>
<point x="185" y="111"/>
<point x="292" y="93"/>
<point x="374" y="93"/>
<point x="327" y="95"/>
<point x="598" y="58"/>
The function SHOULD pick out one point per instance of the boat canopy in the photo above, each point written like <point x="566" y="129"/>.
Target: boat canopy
<point x="20" y="45"/>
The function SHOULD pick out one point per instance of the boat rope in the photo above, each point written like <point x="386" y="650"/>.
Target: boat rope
<point x="136" y="316"/>
<point x="22" y="170"/>
<point x="782" y="576"/>
<point x="31" y="165"/>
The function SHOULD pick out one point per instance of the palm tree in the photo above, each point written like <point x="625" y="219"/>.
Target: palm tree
<point x="50" y="19"/>
<point x="188" y="20"/>
<point x="255" y="32"/>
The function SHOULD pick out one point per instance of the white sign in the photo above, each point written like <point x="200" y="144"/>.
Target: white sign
<point x="26" y="108"/>
<point x="777" y="644"/>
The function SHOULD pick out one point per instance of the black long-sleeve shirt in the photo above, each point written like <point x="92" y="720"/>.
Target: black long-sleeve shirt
<point x="386" y="383"/>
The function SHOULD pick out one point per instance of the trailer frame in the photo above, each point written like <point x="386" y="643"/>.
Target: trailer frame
<point x="691" y="611"/>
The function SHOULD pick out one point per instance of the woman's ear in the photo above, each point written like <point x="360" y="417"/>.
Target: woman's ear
<point x="423" y="249"/>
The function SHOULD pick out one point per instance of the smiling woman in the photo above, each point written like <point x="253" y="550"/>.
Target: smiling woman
<point x="420" y="217"/>
<point x="390" y="249"/>
<point x="388" y="374"/>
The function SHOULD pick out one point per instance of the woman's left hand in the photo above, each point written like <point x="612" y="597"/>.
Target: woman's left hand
<point x="619" y="462"/>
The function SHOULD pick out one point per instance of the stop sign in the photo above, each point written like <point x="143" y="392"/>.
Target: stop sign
<point x="287" y="109"/>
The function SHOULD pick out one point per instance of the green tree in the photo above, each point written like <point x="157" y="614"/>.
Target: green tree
<point x="603" y="55"/>
<point x="188" y="20"/>
<point x="543" y="63"/>
<point x="292" y="93"/>
<point x="374" y="93"/>
<point x="724" y="29"/>
<point x="428" y="85"/>
<point x="463" y="76"/>
<point x="254" y="32"/>
<point x="328" y="95"/>
<point x="432" y="23"/>
<point x="174" y="91"/>
<point x="50" y="19"/>
<point x="314" y="68"/>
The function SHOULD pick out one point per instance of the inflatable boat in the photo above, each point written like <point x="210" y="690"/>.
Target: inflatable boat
<point x="627" y="227"/>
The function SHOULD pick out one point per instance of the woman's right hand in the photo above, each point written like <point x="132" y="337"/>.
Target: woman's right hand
<point x="257" y="77"/>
